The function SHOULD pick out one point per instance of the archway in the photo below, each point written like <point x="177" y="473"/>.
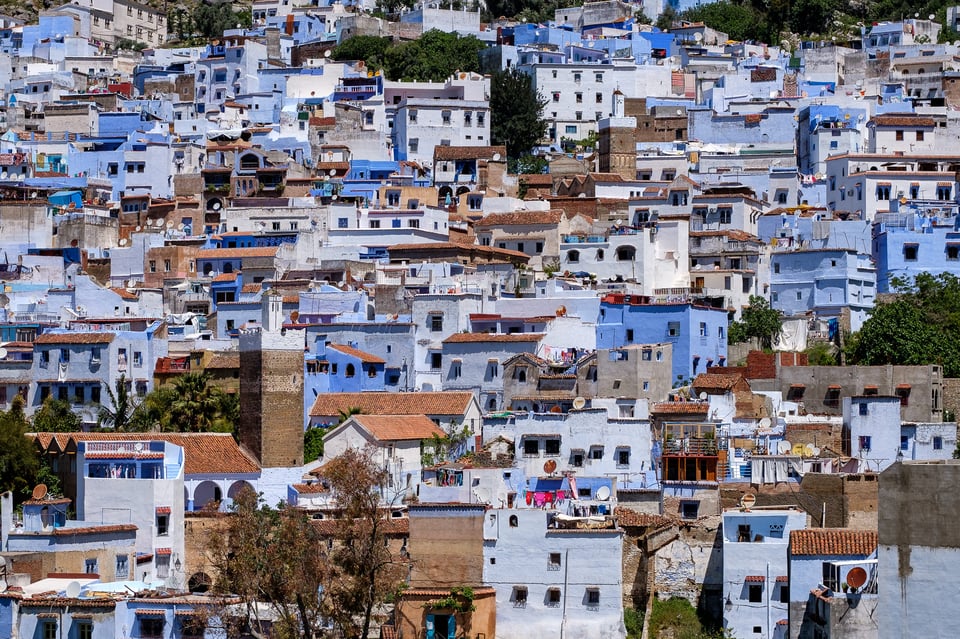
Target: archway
<point x="206" y="494"/>
<point x="200" y="582"/>
<point x="236" y="487"/>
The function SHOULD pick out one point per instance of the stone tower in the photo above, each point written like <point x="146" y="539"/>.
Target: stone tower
<point x="271" y="389"/>
<point x="617" y="143"/>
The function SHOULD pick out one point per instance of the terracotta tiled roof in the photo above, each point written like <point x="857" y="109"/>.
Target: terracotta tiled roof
<point x="250" y="288"/>
<point x="902" y="120"/>
<point x="468" y="152"/>
<point x="204" y="453"/>
<point x="225" y="277"/>
<point x="715" y="381"/>
<point x="94" y="530"/>
<point x="387" y="403"/>
<point x="74" y="338"/>
<point x="314" y="121"/>
<point x="335" y="527"/>
<point x="224" y="360"/>
<point x="681" y="408"/>
<point x="227" y="253"/>
<point x="466" y="247"/>
<point x="606" y="177"/>
<point x="125" y="294"/>
<point x="470" y="338"/>
<point x="627" y="517"/>
<point x="832" y="541"/>
<point x="521" y="218"/>
<point x="363" y="356"/>
<point x="398" y="427"/>
<point x="309" y="489"/>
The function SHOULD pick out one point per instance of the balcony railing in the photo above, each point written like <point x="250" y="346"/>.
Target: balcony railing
<point x="690" y="446"/>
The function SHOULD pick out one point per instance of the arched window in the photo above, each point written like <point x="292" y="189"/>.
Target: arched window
<point x="514" y="521"/>
<point x="492" y="404"/>
<point x="207" y="268"/>
<point x="626" y="253"/>
<point x="351" y="371"/>
<point x="599" y="255"/>
<point x="573" y="256"/>
<point x="228" y="267"/>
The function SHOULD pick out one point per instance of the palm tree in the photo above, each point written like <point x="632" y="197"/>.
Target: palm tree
<point x="123" y="412"/>
<point x="199" y="407"/>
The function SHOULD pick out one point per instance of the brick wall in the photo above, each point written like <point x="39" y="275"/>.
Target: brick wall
<point x="951" y="394"/>
<point x="271" y="392"/>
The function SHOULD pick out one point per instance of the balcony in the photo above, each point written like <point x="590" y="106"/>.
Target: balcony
<point x="697" y="446"/>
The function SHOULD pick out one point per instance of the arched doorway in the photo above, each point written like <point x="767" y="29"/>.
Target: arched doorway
<point x="200" y="582"/>
<point x="236" y="487"/>
<point x="206" y="494"/>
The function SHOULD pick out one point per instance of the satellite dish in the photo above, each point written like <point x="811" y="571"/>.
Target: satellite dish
<point x="816" y="451"/>
<point x="326" y="53"/>
<point x="3" y="176"/>
<point x="603" y="493"/>
<point x="169" y="224"/>
<point x="39" y="491"/>
<point x="698" y="37"/>
<point x="579" y="403"/>
<point x="138" y="446"/>
<point x="3" y="353"/>
<point x="703" y="395"/>
<point x="215" y="205"/>
<point x="783" y="447"/>
<point x="138" y="229"/>
<point x="179" y="227"/>
<point x="73" y="590"/>
<point x="482" y="494"/>
<point x="747" y="501"/>
<point x="332" y="172"/>
<point x="549" y="466"/>
<point x="123" y="241"/>
<point x="496" y="157"/>
<point x="808" y="450"/>
<point x="799" y="449"/>
<point x="765" y="422"/>
<point x="856" y="577"/>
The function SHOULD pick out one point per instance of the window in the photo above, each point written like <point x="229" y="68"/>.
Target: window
<point x="62" y="393"/>
<point x="943" y="191"/>
<point x="576" y="77"/>
<point x="726" y="214"/>
<point x="50" y="630"/>
<point x="90" y="566"/>
<point x="122" y="566"/>
<point x="552" y="447"/>
<point x="865" y="440"/>
<point x="953" y="251"/>
<point x="579" y="98"/>
<point x="78" y="394"/>
<point x="919" y="136"/>
<point x="436" y="360"/>
<point x="629" y="334"/>
<point x="413" y="116"/>
<point x="554" y="561"/>
<point x="553" y="597"/>
<point x="596" y="452"/>
<point x="904" y="442"/>
<point x="163" y="566"/>
<point x="703" y="329"/>
<point x="514" y="521"/>
<point x="864" y="409"/>
<point x="673" y="329"/>
<point x="531" y="447"/>
<point x="784" y="593"/>
<point x="689" y="509"/>
<point x="343" y="223"/>
<point x="573" y="257"/>
<point x="938" y="443"/>
<point x="576" y="459"/>
<point x="755" y="593"/>
<point x="350" y="370"/>
<point x="593" y="597"/>
<point x="883" y="191"/>
<point x="436" y="323"/>
<point x="445" y="117"/>
<point x="84" y="629"/>
<point x="623" y="457"/>
<point x="519" y="596"/>
<point x="899" y="136"/>
<point x="153" y="266"/>
<point x="151" y="626"/>
<point x="598" y="77"/>
<point x="137" y="359"/>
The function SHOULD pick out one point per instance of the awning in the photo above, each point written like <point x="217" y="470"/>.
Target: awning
<point x="782" y="579"/>
<point x="164" y="551"/>
<point x="150" y="612"/>
<point x="163" y="510"/>
<point x="870" y="387"/>
<point x="944" y="183"/>
<point x="798" y="385"/>
<point x="884" y="184"/>
<point x="755" y="579"/>
<point x="903" y="386"/>
<point x="835" y="387"/>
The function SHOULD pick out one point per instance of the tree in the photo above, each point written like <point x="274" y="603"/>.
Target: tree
<point x="123" y="411"/>
<point x="758" y="321"/>
<point x="276" y="557"/>
<point x="313" y="444"/>
<point x="367" y="573"/>
<point x="371" y="49"/>
<point x="210" y="20"/>
<point x="56" y="416"/>
<point x="433" y="57"/>
<point x="19" y="464"/>
<point x="273" y="557"/>
<point x="197" y="406"/>
<point x="516" y="110"/>
<point x="920" y="326"/>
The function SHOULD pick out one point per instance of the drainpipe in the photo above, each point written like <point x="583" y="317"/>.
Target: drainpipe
<point x="769" y="591"/>
<point x="566" y="573"/>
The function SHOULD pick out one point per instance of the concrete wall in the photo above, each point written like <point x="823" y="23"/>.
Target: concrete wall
<point x="446" y="546"/>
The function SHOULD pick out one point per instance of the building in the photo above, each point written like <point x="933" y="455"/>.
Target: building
<point x="755" y="563"/>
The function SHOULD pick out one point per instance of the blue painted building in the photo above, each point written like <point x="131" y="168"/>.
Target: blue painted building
<point x="916" y="240"/>
<point x="824" y="282"/>
<point x="698" y="333"/>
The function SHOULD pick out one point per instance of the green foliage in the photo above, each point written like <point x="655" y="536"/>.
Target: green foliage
<point x="920" y="326"/>
<point x="434" y="57"/>
<point x="516" y="112"/>
<point x="370" y="49"/>
<point x="47" y="477"/>
<point x="758" y="321"/>
<point x="313" y="444"/>
<point x="127" y="44"/>
<point x="821" y="354"/>
<point x="439" y="448"/>
<point x="122" y="412"/>
<point x="633" y="620"/>
<point x="675" y="617"/>
<point x="199" y="407"/>
<point x="460" y="599"/>
<point x="210" y="20"/>
<point x="738" y="21"/>
<point x="56" y="416"/>
<point x="19" y="466"/>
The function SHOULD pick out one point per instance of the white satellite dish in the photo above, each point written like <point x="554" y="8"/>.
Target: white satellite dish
<point x="14" y="176"/>
<point x="816" y="451"/>
<point x="579" y="403"/>
<point x="73" y="590"/>
<point x="332" y="172"/>
<point x="603" y="493"/>
<point x="496" y="157"/>
<point x="123" y="241"/>
<point x="698" y="37"/>
<point x="765" y="422"/>
<point x="326" y="53"/>
<point x="138" y="446"/>
<point x="703" y="395"/>
<point x="138" y="229"/>
<point x="180" y="227"/>
<point x="482" y="494"/>
<point x="3" y="353"/>
<point x="169" y="224"/>
<point x="784" y="447"/>
<point x="808" y="450"/>
<point x="3" y="176"/>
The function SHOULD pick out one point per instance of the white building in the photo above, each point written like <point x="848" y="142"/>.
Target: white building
<point x="552" y="581"/>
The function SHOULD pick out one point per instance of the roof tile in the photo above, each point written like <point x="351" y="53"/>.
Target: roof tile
<point x="363" y="356"/>
<point x="387" y="403"/>
<point x="832" y="541"/>
<point x="398" y="427"/>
